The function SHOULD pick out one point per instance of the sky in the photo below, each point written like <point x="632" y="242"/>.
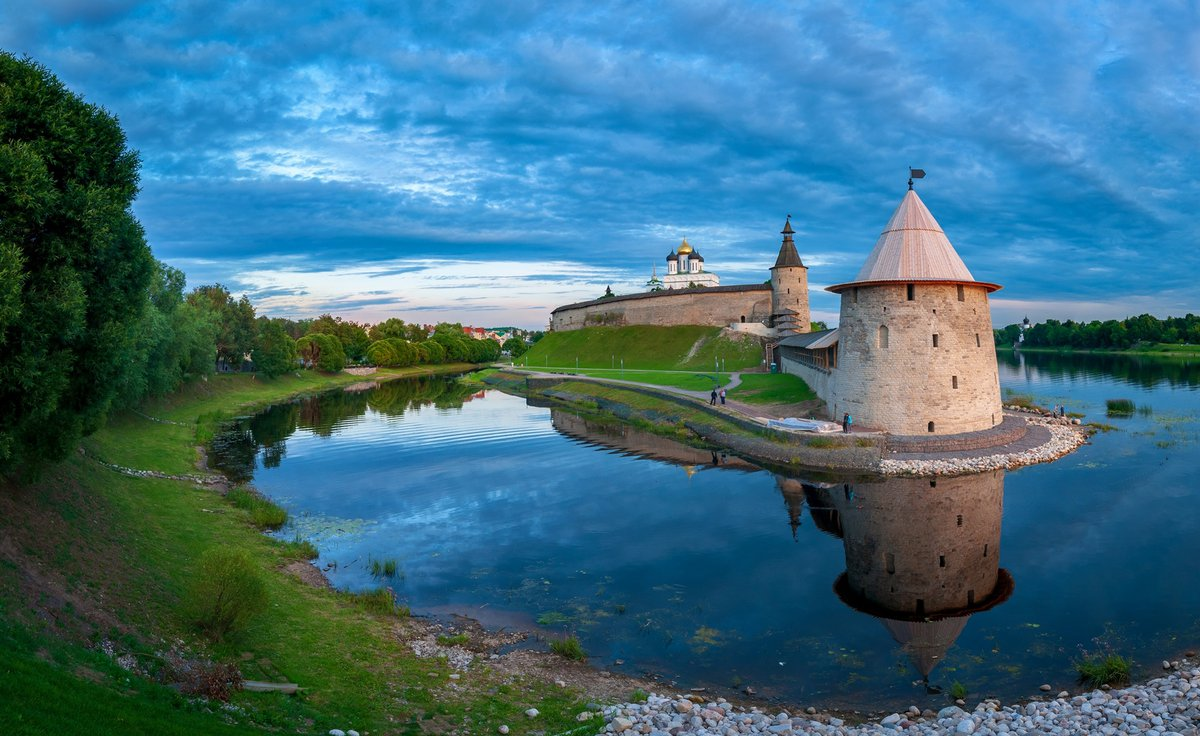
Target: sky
<point x="485" y="162"/>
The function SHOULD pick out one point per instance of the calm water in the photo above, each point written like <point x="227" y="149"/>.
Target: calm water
<point x="709" y="571"/>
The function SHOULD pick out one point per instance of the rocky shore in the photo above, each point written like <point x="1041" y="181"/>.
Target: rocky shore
<point x="1065" y="436"/>
<point x="1167" y="706"/>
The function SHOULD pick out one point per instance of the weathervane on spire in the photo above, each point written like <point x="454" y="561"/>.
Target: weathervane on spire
<point x="914" y="174"/>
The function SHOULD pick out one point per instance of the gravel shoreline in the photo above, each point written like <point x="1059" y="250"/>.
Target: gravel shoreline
<point x="1165" y="706"/>
<point x="1065" y="437"/>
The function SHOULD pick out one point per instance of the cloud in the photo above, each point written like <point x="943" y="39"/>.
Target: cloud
<point x="1059" y="140"/>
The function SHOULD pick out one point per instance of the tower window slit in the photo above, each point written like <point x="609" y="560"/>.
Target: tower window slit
<point x="935" y="339"/>
<point x="960" y="519"/>
<point x="941" y="560"/>
<point x="960" y="293"/>
<point x="931" y="426"/>
<point x="912" y="292"/>
<point x="977" y="340"/>
<point x="891" y="563"/>
<point x="953" y="381"/>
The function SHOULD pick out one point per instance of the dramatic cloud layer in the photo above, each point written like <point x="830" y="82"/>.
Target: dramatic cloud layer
<point x="486" y="161"/>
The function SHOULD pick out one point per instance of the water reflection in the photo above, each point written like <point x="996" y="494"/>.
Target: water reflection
<point x="1137" y="370"/>
<point x="235" y="450"/>
<point x="922" y="555"/>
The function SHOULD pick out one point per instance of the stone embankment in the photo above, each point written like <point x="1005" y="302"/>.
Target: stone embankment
<point x="1058" y="437"/>
<point x="1168" y="706"/>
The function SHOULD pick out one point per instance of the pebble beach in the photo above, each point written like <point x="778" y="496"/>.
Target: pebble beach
<point x="1165" y="706"/>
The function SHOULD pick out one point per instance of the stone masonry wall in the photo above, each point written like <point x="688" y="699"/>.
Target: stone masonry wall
<point x="716" y="306"/>
<point x="789" y="290"/>
<point x="904" y="386"/>
<point x="822" y="382"/>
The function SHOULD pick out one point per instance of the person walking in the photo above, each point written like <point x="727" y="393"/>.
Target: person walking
<point x="713" y="401"/>
<point x="722" y="397"/>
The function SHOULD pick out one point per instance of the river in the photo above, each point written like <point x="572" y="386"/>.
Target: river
<point x="710" y="572"/>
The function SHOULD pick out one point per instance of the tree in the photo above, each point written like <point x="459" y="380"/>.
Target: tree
<point x="514" y="346"/>
<point x="74" y="265"/>
<point x="274" y="351"/>
<point x="353" y="336"/>
<point x="322" y="352"/>
<point x="236" y="328"/>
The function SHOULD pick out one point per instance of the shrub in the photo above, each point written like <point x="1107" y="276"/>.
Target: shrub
<point x="264" y="513"/>
<point x="569" y="647"/>
<point x="639" y="696"/>
<point x="1103" y="669"/>
<point x="227" y="591"/>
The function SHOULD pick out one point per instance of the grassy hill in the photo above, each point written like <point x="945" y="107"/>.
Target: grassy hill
<point x="688" y="347"/>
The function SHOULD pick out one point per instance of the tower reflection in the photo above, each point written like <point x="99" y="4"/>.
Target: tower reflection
<point x="922" y="555"/>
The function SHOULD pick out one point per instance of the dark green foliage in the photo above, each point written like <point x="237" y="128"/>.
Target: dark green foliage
<point x="434" y="352"/>
<point x="397" y="328"/>
<point x="351" y="335"/>
<point x="958" y="691"/>
<point x="274" y="352"/>
<point x="226" y="592"/>
<point x="1103" y="669"/>
<point x="1111" y="334"/>
<point x="514" y="346"/>
<point x="568" y="647"/>
<point x="322" y="352"/>
<point x="234" y="319"/>
<point x="74" y="265"/>
<point x="300" y="549"/>
<point x="381" y="601"/>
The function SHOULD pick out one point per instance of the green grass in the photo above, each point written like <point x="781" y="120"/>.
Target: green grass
<point x="1120" y="407"/>
<point x="384" y="568"/>
<point x="958" y="691"/>
<point x="772" y="388"/>
<point x="264" y="513"/>
<point x="639" y="696"/>
<point x="1103" y="669"/>
<point x="453" y="640"/>
<point x="678" y="379"/>
<point x="568" y="647"/>
<point x="643" y="348"/>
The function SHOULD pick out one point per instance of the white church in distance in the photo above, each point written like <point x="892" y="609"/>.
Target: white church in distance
<point x="685" y="269"/>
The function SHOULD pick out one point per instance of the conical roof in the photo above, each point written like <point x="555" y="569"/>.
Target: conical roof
<point x="913" y="247"/>
<point x="787" y="250"/>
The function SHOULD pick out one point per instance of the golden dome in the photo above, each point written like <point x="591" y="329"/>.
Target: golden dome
<point x="685" y="248"/>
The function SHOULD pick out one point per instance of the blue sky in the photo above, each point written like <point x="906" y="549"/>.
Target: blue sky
<point x="486" y="162"/>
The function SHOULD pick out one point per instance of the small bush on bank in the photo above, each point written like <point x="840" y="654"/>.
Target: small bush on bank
<point x="226" y="592"/>
<point x="264" y="513"/>
<point x="1103" y="669"/>
<point x="569" y="647"/>
<point x="958" y="691"/>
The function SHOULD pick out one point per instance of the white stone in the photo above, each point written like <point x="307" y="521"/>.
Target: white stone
<point x="503" y="729"/>
<point x="621" y="724"/>
<point x="966" y="725"/>
<point x="532" y="712"/>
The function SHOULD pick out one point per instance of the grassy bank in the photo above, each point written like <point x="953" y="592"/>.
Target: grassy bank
<point x="688" y="347"/>
<point x="93" y="561"/>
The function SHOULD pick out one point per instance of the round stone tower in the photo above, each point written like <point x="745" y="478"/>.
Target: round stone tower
<point x="789" y="287"/>
<point x="915" y="346"/>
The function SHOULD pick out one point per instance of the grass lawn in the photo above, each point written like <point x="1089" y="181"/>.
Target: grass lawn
<point x="691" y="381"/>
<point x="89" y="554"/>
<point x="772" y="388"/>
<point x="644" y="347"/>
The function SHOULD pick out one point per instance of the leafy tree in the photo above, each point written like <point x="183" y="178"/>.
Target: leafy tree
<point x="236" y="328"/>
<point x="274" y="351"/>
<point x="353" y="336"/>
<point x="322" y="352"/>
<point x="818" y="326"/>
<point x="434" y="352"/>
<point x="74" y="265"/>
<point x="394" y="327"/>
<point x="514" y="346"/>
<point x="382" y="353"/>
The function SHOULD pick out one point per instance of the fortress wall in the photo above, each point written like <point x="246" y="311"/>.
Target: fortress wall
<point x="947" y="555"/>
<point x="716" y="306"/>
<point x="902" y="387"/>
<point x="822" y="382"/>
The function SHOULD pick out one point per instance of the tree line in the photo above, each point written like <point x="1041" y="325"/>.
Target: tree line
<point x="1111" y="334"/>
<point x="90" y="320"/>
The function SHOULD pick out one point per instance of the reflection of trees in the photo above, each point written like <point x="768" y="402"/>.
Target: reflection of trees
<point x="1139" y="370"/>
<point x="235" y="449"/>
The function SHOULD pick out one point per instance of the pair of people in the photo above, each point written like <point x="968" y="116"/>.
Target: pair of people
<point x="847" y="420"/>
<point x="715" y="394"/>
